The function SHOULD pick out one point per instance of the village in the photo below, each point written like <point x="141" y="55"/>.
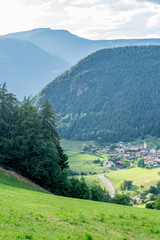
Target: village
<point x="126" y="153"/>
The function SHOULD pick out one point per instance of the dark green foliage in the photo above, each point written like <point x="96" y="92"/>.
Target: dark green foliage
<point x="158" y="187"/>
<point x="78" y="188"/>
<point x="114" y="158"/>
<point x="153" y="190"/>
<point x="126" y="185"/>
<point x="111" y="95"/>
<point x="97" y="161"/>
<point x="140" y="163"/>
<point x="121" y="199"/>
<point x="99" y="194"/>
<point x="150" y="205"/>
<point x="151" y="197"/>
<point x="29" y="141"/>
<point x="157" y="203"/>
<point x="125" y="163"/>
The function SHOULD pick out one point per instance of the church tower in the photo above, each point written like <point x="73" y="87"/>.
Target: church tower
<point x="145" y="144"/>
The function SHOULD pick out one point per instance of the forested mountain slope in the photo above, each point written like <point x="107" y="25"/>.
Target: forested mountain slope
<point x="113" y="94"/>
<point x="26" y="68"/>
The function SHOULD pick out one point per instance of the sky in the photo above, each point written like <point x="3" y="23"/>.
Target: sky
<point x="93" y="19"/>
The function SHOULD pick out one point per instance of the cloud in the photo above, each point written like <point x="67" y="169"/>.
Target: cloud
<point x="95" y="19"/>
<point x="154" y="21"/>
<point x="152" y="1"/>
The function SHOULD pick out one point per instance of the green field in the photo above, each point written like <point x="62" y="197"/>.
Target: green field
<point x="29" y="214"/>
<point x="139" y="176"/>
<point x="69" y="144"/>
<point x="83" y="162"/>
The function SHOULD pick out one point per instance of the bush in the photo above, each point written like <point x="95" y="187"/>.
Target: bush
<point x="121" y="199"/>
<point x="99" y="194"/>
<point x="151" y="197"/>
<point x="157" y="202"/>
<point x="150" y="205"/>
<point x="140" y="163"/>
<point x="126" y="185"/>
<point x="153" y="190"/>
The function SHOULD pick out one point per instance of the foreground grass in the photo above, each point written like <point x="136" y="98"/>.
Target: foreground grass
<point x="29" y="214"/>
<point x="139" y="176"/>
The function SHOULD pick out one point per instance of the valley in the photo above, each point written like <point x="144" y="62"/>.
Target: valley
<point x="82" y="164"/>
<point x="85" y="144"/>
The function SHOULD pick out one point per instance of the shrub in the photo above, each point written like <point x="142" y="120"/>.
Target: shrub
<point x="150" y="205"/>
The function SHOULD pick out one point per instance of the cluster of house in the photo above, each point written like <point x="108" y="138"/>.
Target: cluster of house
<point x="151" y="156"/>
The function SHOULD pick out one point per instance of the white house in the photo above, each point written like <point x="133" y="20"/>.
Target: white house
<point x="108" y="164"/>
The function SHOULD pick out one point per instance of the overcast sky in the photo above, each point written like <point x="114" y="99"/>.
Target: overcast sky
<point x="93" y="19"/>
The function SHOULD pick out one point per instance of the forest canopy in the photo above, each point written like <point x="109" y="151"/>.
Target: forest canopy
<point x="111" y="95"/>
<point x="29" y="141"/>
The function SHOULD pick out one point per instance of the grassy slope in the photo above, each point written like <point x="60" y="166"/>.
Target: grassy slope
<point x="34" y="215"/>
<point x="11" y="178"/>
<point x="139" y="176"/>
<point x="27" y="214"/>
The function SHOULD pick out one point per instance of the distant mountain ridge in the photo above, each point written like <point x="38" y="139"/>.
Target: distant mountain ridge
<point x="37" y="56"/>
<point x="111" y="95"/>
<point x="71" y="47"/>
<point x="26" y="68"/>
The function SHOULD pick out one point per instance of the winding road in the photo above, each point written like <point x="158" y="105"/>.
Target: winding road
<point x="109" y="185"/>
<point x="108" y="182"/>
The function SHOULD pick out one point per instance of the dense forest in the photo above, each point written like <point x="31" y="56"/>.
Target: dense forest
<point x="30" y="143"/>
<point x="111" y="95"/>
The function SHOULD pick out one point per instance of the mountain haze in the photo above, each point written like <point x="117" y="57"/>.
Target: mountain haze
<point x="113" y="94"/>
<point x="31" y="59"/>
<point x="58" y="42"/>
<point x="73" y="48"/>
<point x="26" y="68"/>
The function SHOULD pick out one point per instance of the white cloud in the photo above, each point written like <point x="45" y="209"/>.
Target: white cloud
<point x="154" y="21"/>
<point x="95" y="19"/>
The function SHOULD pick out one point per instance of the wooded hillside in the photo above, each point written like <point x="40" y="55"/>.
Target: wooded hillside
<point x="113" y="94"/>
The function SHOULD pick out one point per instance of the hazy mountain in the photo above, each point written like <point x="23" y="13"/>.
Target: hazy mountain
<point x="26" y="68"/>
<point x="113" y="94"/>
<point x="71" y="47"/>
<point x="31" y="59"/>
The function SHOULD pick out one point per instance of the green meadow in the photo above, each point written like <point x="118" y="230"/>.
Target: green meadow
<point x="70" y="144"/>
<point x="27" y="214"/>
<point x="83" y="162"/>
<point x="139" y="176"/>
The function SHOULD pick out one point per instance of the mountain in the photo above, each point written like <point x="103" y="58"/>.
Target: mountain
<point x="31" y="59"/>
<point x="111" y="95"/>
<point x="26" y="68"/>
<point x="71" y="47"/>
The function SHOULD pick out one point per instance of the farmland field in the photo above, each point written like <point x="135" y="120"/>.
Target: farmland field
<point x="83" y="162"/>
<point x="69" y="144"/>
<point x="139" y="176"/>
